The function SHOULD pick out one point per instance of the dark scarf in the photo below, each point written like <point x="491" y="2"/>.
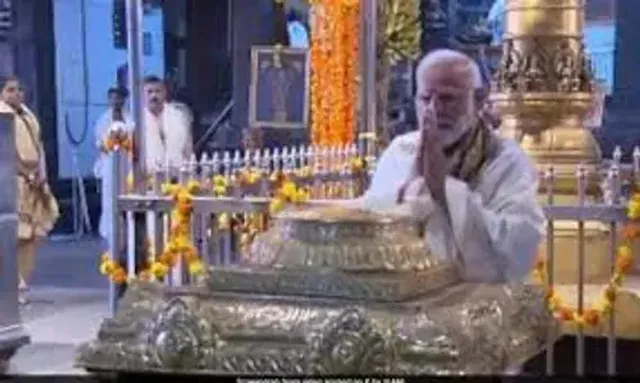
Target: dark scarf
<point x="472" y="153"/>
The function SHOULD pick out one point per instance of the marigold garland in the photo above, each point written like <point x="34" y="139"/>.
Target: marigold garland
<point x="179" y="246"/>
<point x="624" y="262"/>
<point x="286" y="192"/>
<point x="116" y="140"/>
<point x="334" y="61"/>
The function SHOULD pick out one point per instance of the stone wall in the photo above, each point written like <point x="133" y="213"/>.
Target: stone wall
<point x="12" y="335"/>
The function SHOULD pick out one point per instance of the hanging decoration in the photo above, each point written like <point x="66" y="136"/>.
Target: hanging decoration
<point x="334" y="55"/>
<point x="592" y="316"/>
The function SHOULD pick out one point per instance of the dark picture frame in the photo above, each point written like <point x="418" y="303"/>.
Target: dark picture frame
<point x="279" y="88"/>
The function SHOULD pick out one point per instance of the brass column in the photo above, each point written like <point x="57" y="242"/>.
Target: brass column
<point x="543" y="90"/>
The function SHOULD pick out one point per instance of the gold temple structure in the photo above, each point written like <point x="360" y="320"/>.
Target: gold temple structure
<point x="543" y="91"/>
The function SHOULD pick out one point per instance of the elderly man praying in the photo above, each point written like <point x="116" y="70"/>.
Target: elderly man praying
<point x="474" y="191"/>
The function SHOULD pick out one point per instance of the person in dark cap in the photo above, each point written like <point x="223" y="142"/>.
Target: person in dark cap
<point x="117" y="114"/>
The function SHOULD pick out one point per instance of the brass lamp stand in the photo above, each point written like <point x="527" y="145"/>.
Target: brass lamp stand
<point x="543" y="91"/>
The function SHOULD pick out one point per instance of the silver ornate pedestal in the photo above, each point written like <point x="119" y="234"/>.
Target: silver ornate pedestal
<point x="326" y="292"/>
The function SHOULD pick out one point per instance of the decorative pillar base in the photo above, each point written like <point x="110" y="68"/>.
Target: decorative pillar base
<point x="11" y="339"/>
<point x="565" y="260"/>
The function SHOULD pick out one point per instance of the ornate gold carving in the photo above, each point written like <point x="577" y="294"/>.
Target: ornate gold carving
<point x="564" y="69"/>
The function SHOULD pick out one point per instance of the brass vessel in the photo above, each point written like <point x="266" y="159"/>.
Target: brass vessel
<point x="326" y="290"/>
<point x="543" y="90"/>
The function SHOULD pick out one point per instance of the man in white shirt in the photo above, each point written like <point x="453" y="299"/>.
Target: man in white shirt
<point x="116" y="113"/>
<point x="475" y="192"/>
<point x="167" y="127"/>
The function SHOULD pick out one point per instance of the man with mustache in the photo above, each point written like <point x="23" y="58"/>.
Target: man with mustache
<point x="475" y="192"/>
<point x="167" y="128"/>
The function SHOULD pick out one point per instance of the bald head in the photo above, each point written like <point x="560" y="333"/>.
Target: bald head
<point x="447" y="84"/>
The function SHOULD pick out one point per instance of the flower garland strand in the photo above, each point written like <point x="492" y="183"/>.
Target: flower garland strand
<point x="286" y="192"/>
<point x="179" y="246"/>
<point x="115" y="140"/>
<point x="334" y="55"/>
<point x="624" y="262"/>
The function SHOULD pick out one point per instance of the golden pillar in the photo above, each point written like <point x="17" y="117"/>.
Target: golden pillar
<point x="544" y="89"/>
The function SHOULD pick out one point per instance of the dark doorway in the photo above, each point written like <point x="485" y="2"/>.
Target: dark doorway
<point x="198" y="57"/>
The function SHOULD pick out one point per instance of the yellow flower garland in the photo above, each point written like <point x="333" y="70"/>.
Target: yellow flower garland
<point x="179" y="246"/>
<point x="624" y="262"/>
<point x="115" y="141"/>
<point x="286" y="192"/>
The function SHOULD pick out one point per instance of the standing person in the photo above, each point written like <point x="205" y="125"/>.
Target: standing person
<point x="37" y="207"/>
<point x="167" y="128"/>
<point x="117" y="113"/>
<point x="168" y="138"/>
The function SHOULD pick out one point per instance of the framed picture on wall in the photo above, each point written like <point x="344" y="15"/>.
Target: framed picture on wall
<point x="279" y="88"/>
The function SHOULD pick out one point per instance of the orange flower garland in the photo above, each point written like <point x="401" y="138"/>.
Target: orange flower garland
<point x="179" y="246"/>
<point x="334" y="55"/>
<point x="116" y="140"/>
<point x="624" y="262"/>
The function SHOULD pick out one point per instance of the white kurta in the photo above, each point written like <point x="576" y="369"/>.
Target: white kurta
<point x="493" y="231"/>
<point x="103" y="171"/>
<point x="174" y="149"/>
<point x="168" y="137"/>
<point x="168" y="141"/>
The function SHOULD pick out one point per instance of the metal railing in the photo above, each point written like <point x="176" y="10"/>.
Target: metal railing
<point x="218" y="220"/>
<point x="249" y="187"/>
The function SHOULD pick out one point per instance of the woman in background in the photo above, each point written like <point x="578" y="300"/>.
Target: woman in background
<point x="37" y="207"/>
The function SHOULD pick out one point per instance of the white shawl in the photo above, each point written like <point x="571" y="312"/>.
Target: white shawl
<point x="494" y="230"/>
